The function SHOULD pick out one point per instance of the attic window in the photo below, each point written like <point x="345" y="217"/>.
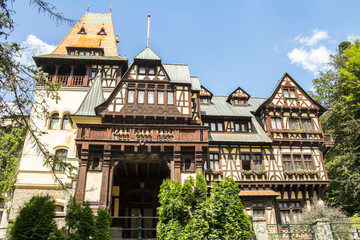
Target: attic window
<point x="205" y="100"/>
<point x="239" y="102"/>
<point x="82" y="31"/>
<point x="102" y="32"/>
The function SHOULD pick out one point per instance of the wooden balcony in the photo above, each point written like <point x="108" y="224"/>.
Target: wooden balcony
<point x="301" y="175"/>
<point x="78" y="81"/>
<point x="142" y="135"/>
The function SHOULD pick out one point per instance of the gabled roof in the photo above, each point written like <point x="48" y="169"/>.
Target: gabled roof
<point x="204" y="88"/>
<point x="147" y="54"/>
<point x="239" y="88"/>
<point x="178" y="73"/>
<point x="93" y="98"/>
<point x="219" y="107"/>
<point x="195" y="84"/>
<point x="277" y="87"/>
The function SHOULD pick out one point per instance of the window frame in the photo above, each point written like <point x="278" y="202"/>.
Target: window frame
<point x="61" y="158"/>
<point x="52" y="119"/>
<point x="294" y="167"/>
<point x="306" y="124"/>
<point x="213" y="161"/>
<point x="298" y="123"/>
<point x="133" y="96"/>
<point x="288" y="92"/>
<point x="66" y="116"/>
<point x="276" y="121"/>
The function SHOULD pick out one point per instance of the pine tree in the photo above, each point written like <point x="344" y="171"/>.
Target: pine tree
<point x="103" y="222"/>
<point x="36" y="220"/>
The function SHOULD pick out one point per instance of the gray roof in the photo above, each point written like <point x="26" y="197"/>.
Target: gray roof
<point x="258" y="135"/>
<point x="178" y="73"/>
<point x="195" y="84"/>
<point x="93" y="98"/>
<point x="219" y="107"/>
<point x="147" y="54"/>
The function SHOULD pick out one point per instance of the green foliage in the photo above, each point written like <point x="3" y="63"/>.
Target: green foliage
<point x="11" y="140"/>
<point x="35" y="220"/>
<point x="320" y="211"/>
<point x="82" y="224"/>
<point x="103" y="221"/>
<point x="338" y="89"/>
<point x="186" y="211"/>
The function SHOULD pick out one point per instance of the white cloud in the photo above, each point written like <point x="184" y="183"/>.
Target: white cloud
<point x="33" y="46"/>
<point x="312" y="40"/>
<point x="352" y="37"/>
<point x="313" y="59"/>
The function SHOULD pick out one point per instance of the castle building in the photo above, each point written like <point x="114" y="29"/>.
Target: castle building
<point x="129" y="127"/>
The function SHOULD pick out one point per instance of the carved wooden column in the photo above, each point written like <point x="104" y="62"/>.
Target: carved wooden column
<point x="57" y="67"/>
<point x="105" y="176"/>
<point x="176" y="167"/>
<point x="198" y="158"/>
<point x="87" y="76"/>
<point x="70" y="79"/>
<point x="81" y="178"/>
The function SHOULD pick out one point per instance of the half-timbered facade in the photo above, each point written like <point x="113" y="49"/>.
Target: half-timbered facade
<point x="128" y="128"/>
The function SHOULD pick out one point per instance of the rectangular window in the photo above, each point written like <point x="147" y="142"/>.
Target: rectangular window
<point x="141" y="96"/>
<point x="285" y="216"/>
<point x="306" y="124"/>
<point x="213" y="127"/>
<point x="97" y="53"/>
<point x="131" y="96"/>
<point x="220" y="127"/>
<point x="206" y="124"/>
<point x="142" y="70"/>
<point x="87" y="53"/>
<point x="292" y="93"/>
<point x="236" y="101"/>
<point x="244" y="127"/>
<point x="170" y="99"/>
<point x="257" y="163"/>
<point x="152" y="71"/>
<point x="243" y="102"/>
<point x="276" y="123"/>
<point x="245" y="160"/>
<point x="297" y="162"/>
<point x="93" y="74"/>
<point x="287" y="163"/>
<point x="294" y="124"/>
<point x="308" y="162"/>
<point x="286" y="92"/>
<point x="258" y="210"/>
<point x="72" y="53"/>
<point x="237" y="127"/>
<point x="160" y="99"/>
<point x="150" y="97"/>
<point x="214" y="161"/>
<point x="205" y="100"/>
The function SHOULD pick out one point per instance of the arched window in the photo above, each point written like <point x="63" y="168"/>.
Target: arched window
<point x="61" y="156"/>
<point x="66" y="122"/>
<point x="95" y="163"/>
<point x="54" y="121"/>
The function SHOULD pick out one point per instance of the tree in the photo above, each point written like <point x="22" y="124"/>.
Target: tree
<point x="338" y="90"/>
<point x="103" y="222"/>
<point x="11" y="141"/>
<point x="186" y="211"/>
<point x="318" y="210"/>
<point x="36" y="220"/>
<point x="18" y="82"/>
<point x="82" y="224"/>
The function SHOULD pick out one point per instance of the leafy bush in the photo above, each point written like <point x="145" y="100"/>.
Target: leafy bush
<point x="186" y="211"/>
<point x="35" y="220"/>
<point x="82" y="224"/>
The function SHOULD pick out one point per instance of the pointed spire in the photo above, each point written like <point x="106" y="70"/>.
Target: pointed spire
<point x="93" y="98"/>
<point x="148" y="31"/>
<point x="88" y="8"/>
<point x="147" y="54"/>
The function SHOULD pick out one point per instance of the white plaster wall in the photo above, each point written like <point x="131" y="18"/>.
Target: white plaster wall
<point x="93" y="186"/>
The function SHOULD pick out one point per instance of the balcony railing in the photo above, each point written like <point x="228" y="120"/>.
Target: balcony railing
<point x="78" y="81"/>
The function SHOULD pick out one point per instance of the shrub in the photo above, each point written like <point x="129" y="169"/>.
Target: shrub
<point x="103" y="222"/>
<point x="186" y="211"/>
<point x="35" y="220"/>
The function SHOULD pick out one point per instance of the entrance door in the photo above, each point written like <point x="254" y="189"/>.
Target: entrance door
<point x="138" y="202"/>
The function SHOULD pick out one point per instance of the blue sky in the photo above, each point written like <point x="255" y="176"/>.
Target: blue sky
<point x="250" y="44"/>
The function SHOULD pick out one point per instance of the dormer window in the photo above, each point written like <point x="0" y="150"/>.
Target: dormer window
<point x="289" y="93"/>
<point x="205" y="100"/>
<point x="102" y="32"/>
<point x="142" y="70"/>
<point x="152" y="71"/>
<point x="239" y="102"/>
<point x="82" y="31"/>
